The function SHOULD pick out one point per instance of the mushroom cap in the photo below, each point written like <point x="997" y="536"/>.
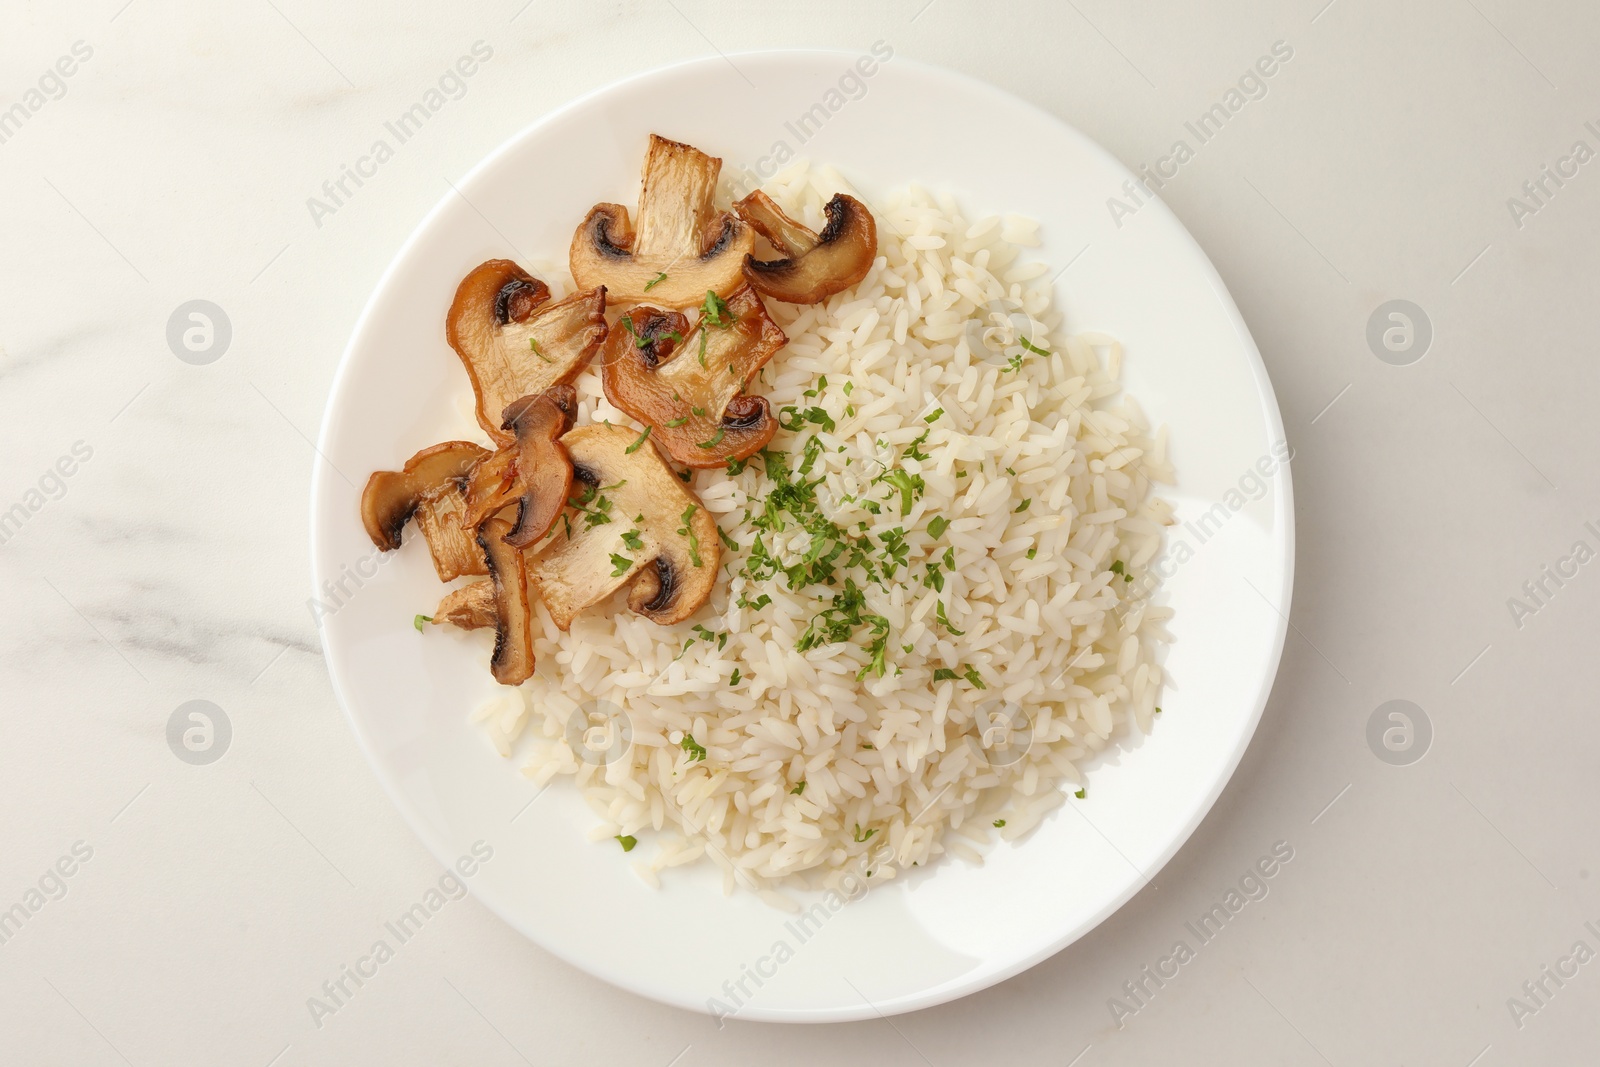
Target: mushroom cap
<point x="690" y="397"/>
<point x="815" y="266"/>
<point x="544" y="470"/>
<point x="671" y="573"/>
<point x="514" y="342"/>
<point x="680" y="245"/>
<point x="392" y="497"/>
<point x="512" y="662"/>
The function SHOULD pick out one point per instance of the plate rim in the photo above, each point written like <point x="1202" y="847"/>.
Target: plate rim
<point x="1284" y="518"/>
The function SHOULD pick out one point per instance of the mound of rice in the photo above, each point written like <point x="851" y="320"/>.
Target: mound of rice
<point x="987" y="469"/>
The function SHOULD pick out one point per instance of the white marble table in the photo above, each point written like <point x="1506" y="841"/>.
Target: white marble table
<point x="166" y="912"/>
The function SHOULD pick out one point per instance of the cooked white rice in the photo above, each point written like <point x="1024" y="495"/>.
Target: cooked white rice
<point x="1043" y="470"/>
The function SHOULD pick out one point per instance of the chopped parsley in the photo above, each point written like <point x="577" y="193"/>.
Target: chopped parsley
<point x="1020" y="508"/>
<point x="934" y="416"/>
<point x="908" y="485"/>
<point x="627" y="841"/>
<point x="999" y="823"/>
<point x="1082" y="793"/>
<point x="715" y="309"/>
<point x="653" y="282"/>
<point x="1031" y="347"/>
<point x="944" y="674"/>
<point x="799" y="789"/>
<point x="631" y="449"/>
<point x="733" y="679"/>
<point x="633" y="540"/>
<point x="715" y="440"/>
<point x="1033" y="552"/>
<point x="695" y="749"/>
<point x="698" y="412"/>
<point x="849" y="387"/>
<point x="937" y="526"/>
<point x="419" y="620"/>
<point x="711" y="635"/>
<point x="533" y="346"/>
<point x="793" y="419"/>
<point x="679" y="421"/>
<point x="945" y="621"/>
<point x="620" y="565"/>
<point x="737" y="466"/>
<point x="860" y="836"/>
<point x="971" y="675"/>
<point x="688" y="528"/>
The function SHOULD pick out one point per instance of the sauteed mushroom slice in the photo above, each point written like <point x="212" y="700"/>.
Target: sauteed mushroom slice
<point x="471" y="607"/>
<point x="451" y="543"/>
<point x="429" y="487"/>
<point x="514" y="342"/>
<point x="532" y="472"/>
<point x="635" y="525"/>
<point x="815" y="266"/>
<point x="512" y="662"/>
<point x="686" y="384"/>
<point x="679" y="246"/>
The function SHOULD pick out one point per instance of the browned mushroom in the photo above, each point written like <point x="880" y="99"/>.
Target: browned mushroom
<point x="429" y="487"/>
<point x="686" y="384"/>
<point x="532" y="472"/>
<point x="451" y="543"/>
<point x="815" y="266"/>
<point x="471" y="607"/>
<point x="514" y="342"/>
<point x="680" y="245"/>
<point x="636" y="523"/>
<point x="512" y="662"/>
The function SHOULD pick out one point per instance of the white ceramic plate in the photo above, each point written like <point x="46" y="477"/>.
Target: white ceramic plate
<point x="956" y="928"/>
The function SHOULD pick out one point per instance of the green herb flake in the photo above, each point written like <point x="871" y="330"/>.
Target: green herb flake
<point x="860" y="836"/>
<point x="733" y="679"/>
<point x="1020" y="508"/>
<point x="944" y="674"/>
<point x="799" y="789"/>
<point x="533" y="346"/>
<point x="999" y="823"/>
<point x="1033" y="552"/>
<point x="620" y="565"/>
<point x="688" y="529"/>
<point x="1081" y="794"/>
<point x="1031" y="347"/>
<point x="971" y="675"/>
<point x="419" y="620"/>
<point x="715" y="440"/>
<point x="1116" y="567"/>
<point x="633" y="540"/>
<point x="933" y="416"/>
<point x="938" y="526"/>
<point x="695" y="749"/>
<point x="715" y="309"/>
<point x="627" y="841"/>
<point x="679" y="421"/>
<point x="631" y="449"/>
<point x="653" y="282"/>
<point x="945" y="621"/>
<point x="849" y="387"/>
